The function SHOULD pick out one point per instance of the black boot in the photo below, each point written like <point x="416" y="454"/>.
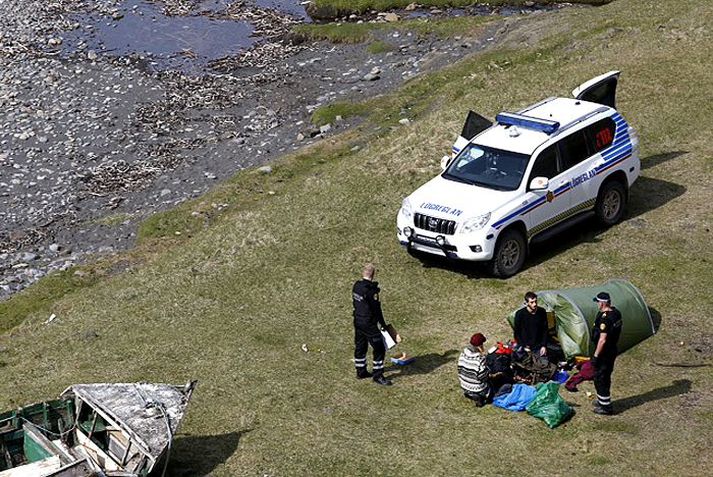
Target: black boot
<point x="362" y="373"/>
<point x="603" y="410"/>
<point x="380" y="379"/>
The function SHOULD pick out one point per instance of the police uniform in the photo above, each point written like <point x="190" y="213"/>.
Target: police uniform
<point x="608" y="322"/>
<point x="367" y="318"/>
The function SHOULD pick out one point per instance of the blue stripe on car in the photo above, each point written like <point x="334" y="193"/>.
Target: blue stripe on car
<point x="617" y="152"/>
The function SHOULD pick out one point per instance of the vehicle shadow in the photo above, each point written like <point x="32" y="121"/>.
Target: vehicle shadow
<point x="199" y="455"/>
<point x="646" y="194"/>
<point x="676" y="388"/>
<point x="423" y="364"/>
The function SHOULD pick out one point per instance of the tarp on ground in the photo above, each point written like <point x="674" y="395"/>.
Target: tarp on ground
<point x="575" y="312"/>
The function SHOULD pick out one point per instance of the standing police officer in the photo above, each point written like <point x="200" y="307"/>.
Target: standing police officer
<point x="367" y="318"/>
<point x="605" y="335"/>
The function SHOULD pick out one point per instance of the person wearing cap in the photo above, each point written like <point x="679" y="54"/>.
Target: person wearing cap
<point x="605" y="335"/>
<point x="473" y="372"/>
<point x="531" y="326"/>
<point x="367" y="318"/>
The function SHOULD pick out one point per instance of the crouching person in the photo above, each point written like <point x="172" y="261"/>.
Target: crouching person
<point x="473" y="372"/>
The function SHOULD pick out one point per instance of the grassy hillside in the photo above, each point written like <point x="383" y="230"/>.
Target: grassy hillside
<point x="231" y="299"/>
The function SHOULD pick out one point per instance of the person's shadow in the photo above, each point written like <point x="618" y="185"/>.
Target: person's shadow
<point x="423" y="364"/>
<point x="678" y="387"/>
<point x="193" y="456"/>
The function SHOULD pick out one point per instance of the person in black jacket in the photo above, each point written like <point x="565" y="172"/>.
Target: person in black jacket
<point x="367" y="318"/>
<point x="605" y="336"/>
<point x="531" y="326"/>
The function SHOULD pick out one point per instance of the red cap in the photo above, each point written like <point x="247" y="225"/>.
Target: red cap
<point x="477" y="339"/>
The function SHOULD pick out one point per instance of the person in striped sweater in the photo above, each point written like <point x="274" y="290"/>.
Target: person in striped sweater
<point x="473" y="371"/>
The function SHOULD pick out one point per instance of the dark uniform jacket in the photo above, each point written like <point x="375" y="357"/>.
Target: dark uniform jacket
<point x="531" y="329"/>
<point x="608" y="322"/>
<point x="367" y="309"/>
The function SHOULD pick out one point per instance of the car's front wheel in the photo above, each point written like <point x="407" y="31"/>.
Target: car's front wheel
<point x="610" y="203"/>
<point x="510" y="254"/>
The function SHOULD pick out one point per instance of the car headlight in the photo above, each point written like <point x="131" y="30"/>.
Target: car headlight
<point x="475" y="223"/>
<point x="406" y="209"/>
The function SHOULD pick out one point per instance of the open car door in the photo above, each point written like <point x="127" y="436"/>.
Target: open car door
<point x="601" y="90"/>
<point x="474" y="125"/>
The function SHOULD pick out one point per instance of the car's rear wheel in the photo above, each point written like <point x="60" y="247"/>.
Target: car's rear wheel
<point x="510" y="254"/>
<point x="611" y="202"/>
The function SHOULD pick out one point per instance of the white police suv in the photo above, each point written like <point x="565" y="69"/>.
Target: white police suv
<point x="524" y="178"/>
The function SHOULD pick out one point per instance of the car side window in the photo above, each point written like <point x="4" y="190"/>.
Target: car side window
<point x="573" y="149"/>
<point x="545" y="164"/>
<point x="601" y="134"/>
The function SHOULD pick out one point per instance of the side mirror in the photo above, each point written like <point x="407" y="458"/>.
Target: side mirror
<point x="539" y="183"/>
<point x="444" y="162"/>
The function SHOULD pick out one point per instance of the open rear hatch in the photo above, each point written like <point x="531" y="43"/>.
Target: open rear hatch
<point x="600" y="90"/>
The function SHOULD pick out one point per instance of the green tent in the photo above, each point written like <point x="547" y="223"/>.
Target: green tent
<point x="575" y="311"/>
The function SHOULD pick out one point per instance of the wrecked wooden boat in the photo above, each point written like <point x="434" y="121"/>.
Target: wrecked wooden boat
<point x="111" y="430"/>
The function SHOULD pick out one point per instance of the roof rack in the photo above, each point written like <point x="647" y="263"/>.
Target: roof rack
<point x="529" y="122"/>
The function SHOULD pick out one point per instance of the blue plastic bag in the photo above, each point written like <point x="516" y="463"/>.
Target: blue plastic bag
<point x="516" y="400"/>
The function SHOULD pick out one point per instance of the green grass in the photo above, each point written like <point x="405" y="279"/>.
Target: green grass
<point x="328" y="113"/>
<point x="378" y="47"/>
<point x="232" y="299"/>
<point x="334" y="8"/>
<point x="39" y="298"/>
<point x="363" y="32"/>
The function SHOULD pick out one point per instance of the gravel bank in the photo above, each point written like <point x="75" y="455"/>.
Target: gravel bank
<point x="91" y="142"/>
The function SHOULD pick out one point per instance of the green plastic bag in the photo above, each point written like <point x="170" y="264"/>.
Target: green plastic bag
<point x="549" y="406"/>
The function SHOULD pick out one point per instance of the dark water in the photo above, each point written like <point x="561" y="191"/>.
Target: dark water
<point x="190" y="42"/>
<point x="186" y="43"/>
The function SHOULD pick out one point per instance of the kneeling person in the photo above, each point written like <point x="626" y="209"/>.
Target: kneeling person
<point x="473" y="372"/>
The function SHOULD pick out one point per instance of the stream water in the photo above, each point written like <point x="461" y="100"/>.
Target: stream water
<point x="167" y="42"/>
<point x="189" y="42"/>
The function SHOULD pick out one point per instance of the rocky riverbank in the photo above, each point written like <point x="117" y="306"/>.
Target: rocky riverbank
<point x="93" y="139"/>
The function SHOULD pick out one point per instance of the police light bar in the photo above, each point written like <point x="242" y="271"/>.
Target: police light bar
<point x="514" y="119"/>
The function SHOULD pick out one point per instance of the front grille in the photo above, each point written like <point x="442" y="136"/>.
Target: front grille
<point x="434" y="224"/>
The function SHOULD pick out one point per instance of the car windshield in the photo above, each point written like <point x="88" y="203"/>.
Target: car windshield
<point x="488" y="167"/>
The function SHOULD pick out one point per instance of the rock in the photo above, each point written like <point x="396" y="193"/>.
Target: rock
<point x="91" y="55"/>
<point x="529" y="3"/>
<point x="411" y="7"/>
<point x="325" y="128"/>
<point x="404" y="121"/>
<point x="54" y="248"/>
<point x="117" y="15"/>
<point x="165" y="192"/>
<point x="300" y="136"/>
<point x="54" y="41"/>
<point x="321" y="12"/>
<point x="265" y="170"/>
<point x="391" y="17"/>
<point x="370" y="77"/>
<point x="338" y="118"/>
<point x="29" y="256"/>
